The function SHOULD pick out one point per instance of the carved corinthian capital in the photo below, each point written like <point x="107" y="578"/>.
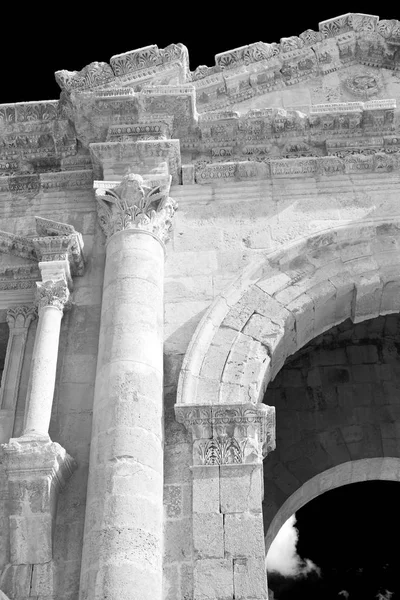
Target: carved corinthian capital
<point x="133" y="205"/>
<point x="52" y="293"/>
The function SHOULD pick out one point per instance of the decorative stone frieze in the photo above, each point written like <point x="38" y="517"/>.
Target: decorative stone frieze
<point x="134" y="205"/>
<point x="57" y="241"/>
<point x="36" y="472"/>
<point x="229" y="434"/>
<point x="135" y="67"/>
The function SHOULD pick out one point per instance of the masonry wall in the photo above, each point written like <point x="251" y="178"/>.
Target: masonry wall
<point x="219" y="230"/>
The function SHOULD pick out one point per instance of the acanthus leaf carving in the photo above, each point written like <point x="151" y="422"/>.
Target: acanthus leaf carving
<point x="134" y="205"/>
<point x="229" y="434"/>
<point x="52" y="293"/>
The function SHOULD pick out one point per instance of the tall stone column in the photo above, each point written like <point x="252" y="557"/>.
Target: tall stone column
<point x="229" y="443"/>
<point x="122" y="552"/>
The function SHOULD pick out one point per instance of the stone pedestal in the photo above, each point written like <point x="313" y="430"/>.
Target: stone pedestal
<point x="229" y="443"/>
<point x="36" y="472"/>
<point x="122" y="553"/>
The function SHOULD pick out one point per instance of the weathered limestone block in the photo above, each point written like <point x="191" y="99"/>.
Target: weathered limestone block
<point x="244" y="534"/>
<point x="241" y="488"/>
<point x="213" y="578"/>
<point x="206" y="489"/>
<point x="249" y="580"/>
<point x="208" y="535"/>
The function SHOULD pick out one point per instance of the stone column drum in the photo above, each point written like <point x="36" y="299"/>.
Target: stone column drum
<point x="122" y="553"/>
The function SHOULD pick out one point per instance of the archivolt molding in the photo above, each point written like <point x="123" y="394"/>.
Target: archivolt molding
<point x="368" y="469"/>
<point x="275" y="308"/>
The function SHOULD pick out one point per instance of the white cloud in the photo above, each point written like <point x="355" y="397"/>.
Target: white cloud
<point x="385" y="596"/>
<point x="282" y="556"/>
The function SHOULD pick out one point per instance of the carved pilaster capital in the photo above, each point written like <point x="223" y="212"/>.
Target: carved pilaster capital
<point x="229" y="434"/>
<point x="52" y="293"/>
<point x="20" y="317"/>
<point x="134" y="204"/>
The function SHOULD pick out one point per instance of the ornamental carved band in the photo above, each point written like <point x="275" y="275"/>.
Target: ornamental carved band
<point x="134" y="205"/>
<point x="229" y="434"/>
<point x="52" y="293"/>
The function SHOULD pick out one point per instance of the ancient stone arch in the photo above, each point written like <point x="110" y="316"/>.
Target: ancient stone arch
<point x="277" y="306"/>
<point x="270" y="312"/>
<point x="283" y="158"/>
<point x="367" y="469"/>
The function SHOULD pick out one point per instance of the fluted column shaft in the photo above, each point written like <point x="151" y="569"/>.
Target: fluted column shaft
<point x="122" y="553"/>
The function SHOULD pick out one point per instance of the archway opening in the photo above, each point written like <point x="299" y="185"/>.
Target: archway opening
<point x="337" y="401"/>
<point x="350" y="534"/>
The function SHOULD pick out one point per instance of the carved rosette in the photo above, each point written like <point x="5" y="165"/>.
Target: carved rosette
<point x="229" y="434"/>
<point x="134" y="205"/>
<point x="52" y="293"/>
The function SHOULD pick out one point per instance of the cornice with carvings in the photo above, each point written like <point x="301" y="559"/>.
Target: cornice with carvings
<point x="229" y="434"/>
<point x="136" y="66"/>
<point x="57" y="241"/>
<point x="259" y="68"/>
<point x="135" y="204"/>
<point x="150" y="94"/>
<point x="323" y="166"/>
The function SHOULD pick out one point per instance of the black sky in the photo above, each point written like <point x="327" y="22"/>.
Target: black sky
<point x="37" y="40"/>
<point x="352" y="534"/>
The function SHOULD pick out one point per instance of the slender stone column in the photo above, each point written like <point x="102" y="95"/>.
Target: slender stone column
<point x="122" y="553"/>
<point x="18" y="318"/>
<point x="36" y="467"/>
<point x="52" y="296"/>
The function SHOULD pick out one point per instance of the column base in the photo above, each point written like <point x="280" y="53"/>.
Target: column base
<point x="37" y="470"/>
